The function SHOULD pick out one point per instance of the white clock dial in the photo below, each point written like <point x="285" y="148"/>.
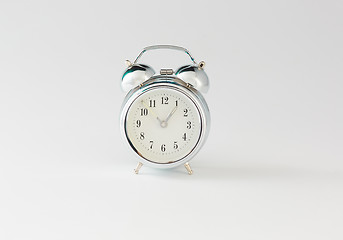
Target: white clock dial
<point x="163" y="125"/>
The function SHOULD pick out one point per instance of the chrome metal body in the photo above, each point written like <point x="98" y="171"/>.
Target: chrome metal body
<point x="135" y="73"/>
<point x="194" y="75"/>
<point x="172" y="47"/>
<point x="170" y="82"/>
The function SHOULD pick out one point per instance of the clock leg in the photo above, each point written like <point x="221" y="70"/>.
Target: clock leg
<point x="189" y="169"/>
<point x="138" y="167"/>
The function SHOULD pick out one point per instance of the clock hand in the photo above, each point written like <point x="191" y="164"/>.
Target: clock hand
<point x="153" y="113"/>
<point x="169" y="115"/>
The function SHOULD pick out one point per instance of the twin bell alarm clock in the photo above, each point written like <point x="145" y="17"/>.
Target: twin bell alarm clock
<point x="164" y="119"/>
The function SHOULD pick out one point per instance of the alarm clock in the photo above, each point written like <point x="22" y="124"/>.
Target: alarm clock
<point x="164" y="118"/>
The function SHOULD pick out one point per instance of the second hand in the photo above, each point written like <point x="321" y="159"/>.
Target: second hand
<point x="153" y="113"/>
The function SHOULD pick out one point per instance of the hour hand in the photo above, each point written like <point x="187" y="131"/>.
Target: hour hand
<point x="159" y="119"/>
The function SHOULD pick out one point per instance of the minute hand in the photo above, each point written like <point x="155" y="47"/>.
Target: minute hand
<point x="170" y="114"/>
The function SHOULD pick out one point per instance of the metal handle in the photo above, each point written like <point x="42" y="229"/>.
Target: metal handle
<point x="153" y="47"/>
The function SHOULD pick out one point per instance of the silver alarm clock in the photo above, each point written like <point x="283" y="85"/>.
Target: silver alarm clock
<point x="164" y="118"/>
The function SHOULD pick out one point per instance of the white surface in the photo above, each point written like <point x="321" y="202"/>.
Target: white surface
<point x="169" y="135"/>
<point x="272" y="166"/>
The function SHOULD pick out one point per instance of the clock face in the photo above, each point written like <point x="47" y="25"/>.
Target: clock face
<point x="163" y="125"/>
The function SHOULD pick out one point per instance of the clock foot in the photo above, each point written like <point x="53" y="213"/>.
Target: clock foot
<point x="138" y="167"/>
<point x="189" y="169"/>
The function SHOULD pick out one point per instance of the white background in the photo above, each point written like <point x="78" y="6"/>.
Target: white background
<point x="272" y="166"/>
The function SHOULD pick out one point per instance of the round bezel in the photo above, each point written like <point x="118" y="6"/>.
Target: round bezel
<point x="169" y="82"/>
